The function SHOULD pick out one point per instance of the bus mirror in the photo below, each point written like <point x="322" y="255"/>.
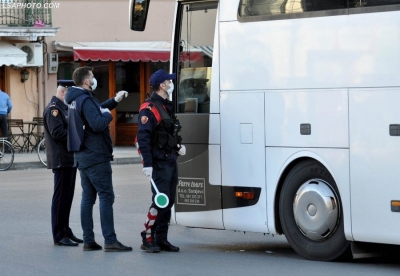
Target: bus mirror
<point x="138" y="14"/>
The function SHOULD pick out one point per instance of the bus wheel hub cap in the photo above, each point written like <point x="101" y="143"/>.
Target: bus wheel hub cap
<point x="315" y="208"/>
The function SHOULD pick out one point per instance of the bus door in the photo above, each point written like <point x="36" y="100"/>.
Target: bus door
<point x="198" y="202"/>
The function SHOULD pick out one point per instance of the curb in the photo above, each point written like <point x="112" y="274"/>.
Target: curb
<point x="38" y="165"/>
<point x="126" y="161"/>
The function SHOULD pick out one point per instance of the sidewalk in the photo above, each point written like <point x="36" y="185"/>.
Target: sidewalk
<point x="27" y="161"/>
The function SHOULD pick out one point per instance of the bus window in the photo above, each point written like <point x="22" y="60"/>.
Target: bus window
<point x="275" y="7"/>
<point x="372" y="3"/>
<point x="197" y="40"/>
<point x="194" y="90"/>
<point x="268" y="7"/>
<point x="271" y="7"/>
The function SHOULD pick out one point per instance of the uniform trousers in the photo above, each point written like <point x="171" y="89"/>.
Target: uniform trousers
<point x="3" y="125"/>
<point x="64" y="188"/>
<point x="165" y="176"/>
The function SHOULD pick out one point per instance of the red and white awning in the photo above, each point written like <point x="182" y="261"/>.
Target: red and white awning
<point x="125" y="51"/>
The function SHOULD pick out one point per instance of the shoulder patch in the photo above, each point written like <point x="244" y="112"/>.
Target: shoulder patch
<point x="144" y="119"/>
<point x="54" y="112"/>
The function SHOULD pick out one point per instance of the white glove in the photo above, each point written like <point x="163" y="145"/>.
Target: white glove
<point x="104" y="110"/>
<point x="182" y="150"/>
<point x="148" y="171"/>
<point x="120" y="95"/>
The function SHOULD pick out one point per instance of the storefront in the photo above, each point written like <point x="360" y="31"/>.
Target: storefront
<point x="118" y="66"/>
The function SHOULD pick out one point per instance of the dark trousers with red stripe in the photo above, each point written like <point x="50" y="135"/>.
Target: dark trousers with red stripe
<point x="156" y="225"/>
<point x="64" y="188"/>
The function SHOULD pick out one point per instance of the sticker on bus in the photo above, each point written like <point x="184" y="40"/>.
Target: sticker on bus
<point x="191" y="191"/>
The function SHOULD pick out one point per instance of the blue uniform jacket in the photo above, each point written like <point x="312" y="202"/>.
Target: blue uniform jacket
<point x="55" y="120"/>
<point x="84" y="114"/>
<point x="147" y="124"/>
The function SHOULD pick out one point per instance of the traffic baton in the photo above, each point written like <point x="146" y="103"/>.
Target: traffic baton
<point x="161" y="199"/>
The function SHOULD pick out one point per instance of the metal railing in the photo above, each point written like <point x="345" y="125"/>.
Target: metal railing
<point x="26" y="13"/>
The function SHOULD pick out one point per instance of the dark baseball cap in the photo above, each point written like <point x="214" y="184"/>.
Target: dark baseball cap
<point x="65" y="83"/>
<point x="159" y="77"/>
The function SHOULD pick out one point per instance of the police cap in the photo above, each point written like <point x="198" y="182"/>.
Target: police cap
<point x="159" y="77"/>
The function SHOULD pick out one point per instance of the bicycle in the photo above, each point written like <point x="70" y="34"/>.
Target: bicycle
<point x="41" y="151"/>
<point x="6" y="154"/>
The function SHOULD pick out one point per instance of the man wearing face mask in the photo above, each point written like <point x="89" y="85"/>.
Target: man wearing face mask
<point x="159" y="145"/>
<point x="89" y="138"/>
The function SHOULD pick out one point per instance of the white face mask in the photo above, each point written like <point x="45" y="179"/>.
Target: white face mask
<point x="171" y="88"/>
<point x="94" y="85"/>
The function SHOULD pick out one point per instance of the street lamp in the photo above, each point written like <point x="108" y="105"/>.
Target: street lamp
<point x="24" y="75"/>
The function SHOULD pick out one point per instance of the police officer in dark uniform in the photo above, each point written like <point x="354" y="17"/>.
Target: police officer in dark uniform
<point x="159" y="145"/>
<point x="55" y="117"/>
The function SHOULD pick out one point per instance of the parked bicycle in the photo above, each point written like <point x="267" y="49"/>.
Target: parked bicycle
<point x="41" y="151"/>
<point x="6" y="154"/>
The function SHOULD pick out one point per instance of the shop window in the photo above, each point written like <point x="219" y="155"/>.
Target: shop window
<point x="66" y="69"/>
<point x="127" y="77"/>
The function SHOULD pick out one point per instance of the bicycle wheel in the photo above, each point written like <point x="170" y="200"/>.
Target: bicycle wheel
<point x="6" y="155"/>
<point x="41" y="151"/>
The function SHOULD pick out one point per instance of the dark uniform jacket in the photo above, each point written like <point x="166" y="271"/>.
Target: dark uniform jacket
<point x="55" y="119"/>
<point x="147" y="125"/>
<point x="95" y="146"/>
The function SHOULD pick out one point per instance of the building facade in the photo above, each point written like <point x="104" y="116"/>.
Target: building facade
<point x="83" y="32"/>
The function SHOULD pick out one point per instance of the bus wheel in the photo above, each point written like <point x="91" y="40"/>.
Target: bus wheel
<point x="311" y="214"/>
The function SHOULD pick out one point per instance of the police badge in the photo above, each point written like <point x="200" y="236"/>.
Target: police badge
<point x="144" y="119"/>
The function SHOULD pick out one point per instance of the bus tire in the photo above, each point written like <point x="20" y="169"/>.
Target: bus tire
<point x="311" y="214"/>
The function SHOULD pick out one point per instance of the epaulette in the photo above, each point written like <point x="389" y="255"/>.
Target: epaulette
<point x="52" y="104"/>
<point x="146" y="105"/>
<point x="150" y="106"/>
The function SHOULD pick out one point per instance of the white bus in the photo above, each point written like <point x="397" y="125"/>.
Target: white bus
<point x="290" y="115"/>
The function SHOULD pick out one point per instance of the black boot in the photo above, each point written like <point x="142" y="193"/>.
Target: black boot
<point x="149" y="246"/>
<point x="167" y="246"/>
<point x="116" y="247"/>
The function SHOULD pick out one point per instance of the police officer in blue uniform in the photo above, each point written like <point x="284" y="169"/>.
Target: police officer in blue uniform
<point x="159" y="145"/>
<point x="55" y="118"/>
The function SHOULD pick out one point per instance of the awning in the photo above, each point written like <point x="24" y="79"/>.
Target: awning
<point x="11" y="55"/>
<point x="207" y="50"/>
<point x="124" y="51"/>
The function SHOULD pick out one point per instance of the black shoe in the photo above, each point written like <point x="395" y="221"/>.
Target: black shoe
<point x="116" y="247"/>
<point x="166" y="246"/>
<point x="75" y="239"/>
<point x="91" y="246"/>
<point x="66" y="242"/>
<point x="150" y="247"/>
